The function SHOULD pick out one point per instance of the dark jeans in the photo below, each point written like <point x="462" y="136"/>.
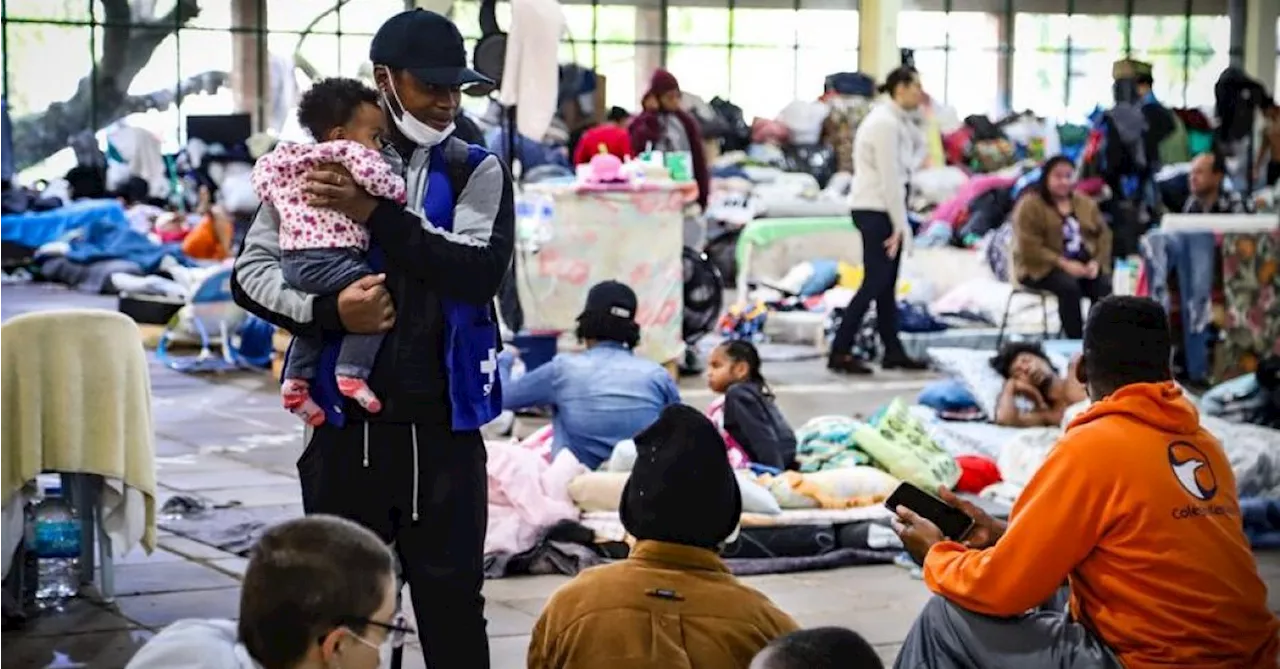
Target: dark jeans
<point x="322" y="272"/>
<point x="441" y="554"/>
<point x="879" y="283"/>
<point x="1069" y="291"/>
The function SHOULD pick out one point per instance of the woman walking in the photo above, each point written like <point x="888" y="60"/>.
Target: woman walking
<point x="883" y="155"/>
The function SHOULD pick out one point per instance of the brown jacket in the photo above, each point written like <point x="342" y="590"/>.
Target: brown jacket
<point x="667" y="606"/>
<point x="1037" y="235"/>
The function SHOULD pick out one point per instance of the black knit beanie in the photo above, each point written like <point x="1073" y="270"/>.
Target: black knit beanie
<point x="682" y="489"/>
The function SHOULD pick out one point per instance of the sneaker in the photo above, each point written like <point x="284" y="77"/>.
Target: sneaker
<point x="848" y="364"/>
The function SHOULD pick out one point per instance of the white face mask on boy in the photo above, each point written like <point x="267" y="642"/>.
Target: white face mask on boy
<point x="384" y="649"/>
<point x="414" y="130"/>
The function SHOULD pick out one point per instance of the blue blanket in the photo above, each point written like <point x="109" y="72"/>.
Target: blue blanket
<point x="39" y="228"/>
<point x="104" y="239"/>
<point x="95" y="229"/>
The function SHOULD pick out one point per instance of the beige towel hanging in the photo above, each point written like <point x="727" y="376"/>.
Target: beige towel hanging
<point x="77" y="398"/>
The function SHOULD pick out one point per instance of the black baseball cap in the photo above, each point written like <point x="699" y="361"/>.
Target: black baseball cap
<point x="612" y="298"/>
<point x="428" y="46"/>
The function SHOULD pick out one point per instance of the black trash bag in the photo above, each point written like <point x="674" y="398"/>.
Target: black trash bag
<point x="722" y="252"/>
<point x="737" y="136"/>
<point x="987" y="212"/>
<point x="818" y="160"/>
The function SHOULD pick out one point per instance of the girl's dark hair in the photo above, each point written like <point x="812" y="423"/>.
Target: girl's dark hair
<point x="1042" y="185"/>
<point x="741" y="350"/>
<point x="332" y="102"/>
<point x="899" y="77"/>
<point x="617" y="114"/>
<point x="607" y="327"/>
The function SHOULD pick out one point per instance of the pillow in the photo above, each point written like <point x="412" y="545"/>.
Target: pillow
<point x="860" y="481"/>
<point x="598" y="491"/>
<point x="602" y="491"/>
<point x="787" y="497"/>
<point x="901" y="446"/>
<point x="623" y="457"/>
<point x="755" y="497"/>
<point x="947" y="395"/>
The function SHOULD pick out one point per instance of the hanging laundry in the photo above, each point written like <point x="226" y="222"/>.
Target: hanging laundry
<point x="531" y="72"/>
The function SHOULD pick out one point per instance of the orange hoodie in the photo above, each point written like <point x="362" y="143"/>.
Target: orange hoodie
<point x="1137" y="506"/>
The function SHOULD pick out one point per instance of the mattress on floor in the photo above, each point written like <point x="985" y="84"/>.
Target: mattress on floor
<point x="806" y="327"/>
<point x="608" y="526"/>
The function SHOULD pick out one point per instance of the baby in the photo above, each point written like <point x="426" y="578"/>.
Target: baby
<point x="322" y="251"/>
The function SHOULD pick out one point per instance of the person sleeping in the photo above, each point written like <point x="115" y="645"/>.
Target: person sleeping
<point x="1030" y="376"/>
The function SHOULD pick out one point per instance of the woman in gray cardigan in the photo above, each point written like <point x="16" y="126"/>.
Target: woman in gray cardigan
<point x="883" y="154"/>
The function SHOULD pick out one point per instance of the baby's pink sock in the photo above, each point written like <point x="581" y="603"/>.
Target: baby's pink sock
<point x="358" y="390"/>
<point x="296" y="394"/>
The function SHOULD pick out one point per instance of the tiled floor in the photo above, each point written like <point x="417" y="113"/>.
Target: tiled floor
<point x="225" y="439"/>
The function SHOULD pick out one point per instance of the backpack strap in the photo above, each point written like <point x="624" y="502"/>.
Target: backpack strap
<point x="457" y="161"/>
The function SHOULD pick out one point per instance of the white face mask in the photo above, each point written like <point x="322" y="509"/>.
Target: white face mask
<point x="414" y="130"/>
<point x="384" y="650"/>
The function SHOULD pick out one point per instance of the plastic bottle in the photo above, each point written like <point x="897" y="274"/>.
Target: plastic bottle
<point x="56" y="544"/>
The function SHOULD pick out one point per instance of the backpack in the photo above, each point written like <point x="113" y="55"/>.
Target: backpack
<point x="457" y="164"/>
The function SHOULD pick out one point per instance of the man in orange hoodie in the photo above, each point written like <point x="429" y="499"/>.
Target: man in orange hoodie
<point x="1135" y="509"/>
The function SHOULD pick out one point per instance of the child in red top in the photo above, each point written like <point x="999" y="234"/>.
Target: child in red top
<point x="323" y="251"/>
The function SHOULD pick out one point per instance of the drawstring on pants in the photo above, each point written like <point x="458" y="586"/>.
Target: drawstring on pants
<point x="417" y="474"/>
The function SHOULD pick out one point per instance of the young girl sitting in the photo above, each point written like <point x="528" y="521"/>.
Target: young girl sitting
<point x="753" y="427"/>
<point x="323" y="251"/>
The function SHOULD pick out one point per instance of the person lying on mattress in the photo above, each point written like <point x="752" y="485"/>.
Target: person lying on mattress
<point x="603" y="395"/>
<point x="1135" y="508"/>
<point x="1030" y="376"/>
<point x="672" y="602"/>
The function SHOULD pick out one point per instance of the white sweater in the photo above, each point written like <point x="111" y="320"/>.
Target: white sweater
<point x="883" y="152"/>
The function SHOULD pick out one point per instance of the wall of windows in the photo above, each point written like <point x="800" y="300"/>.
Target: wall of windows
<point x="72" y="64"/>
<point x="75" y="64"/>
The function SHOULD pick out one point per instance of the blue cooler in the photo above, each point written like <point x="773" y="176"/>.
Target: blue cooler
<point x="537" y="348"/>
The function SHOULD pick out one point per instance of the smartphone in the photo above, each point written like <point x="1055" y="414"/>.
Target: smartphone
<point x="953" y="522"/>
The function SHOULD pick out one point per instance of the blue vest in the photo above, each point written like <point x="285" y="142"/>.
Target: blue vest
<point x="471" y="336"/>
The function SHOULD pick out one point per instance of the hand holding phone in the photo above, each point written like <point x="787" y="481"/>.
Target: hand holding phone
<point x="954" y="523"/>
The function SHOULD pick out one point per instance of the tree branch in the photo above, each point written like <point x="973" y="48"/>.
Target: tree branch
<point x="315" y="22"/>
<point x="129" y="39"/>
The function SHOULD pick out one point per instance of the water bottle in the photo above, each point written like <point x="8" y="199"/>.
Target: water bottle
<point x="56" y="544"/>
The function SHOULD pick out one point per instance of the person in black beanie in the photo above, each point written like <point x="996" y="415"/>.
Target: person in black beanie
<point x="681" y="466"/>
<point x="603" y="395"/>
<point x="672" y="602"/>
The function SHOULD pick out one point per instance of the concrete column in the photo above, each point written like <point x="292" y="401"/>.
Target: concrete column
<point x="1004" y="65"/>
<point x="249" y="54"/>
<point x="1260" y="40"/>
<point x="878" y="37"/>
<point x="648" y="58"/>
<point x="437" y="6"/>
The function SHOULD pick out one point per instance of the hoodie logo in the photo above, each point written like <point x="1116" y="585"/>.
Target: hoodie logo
<point x="1191" y="468"/>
